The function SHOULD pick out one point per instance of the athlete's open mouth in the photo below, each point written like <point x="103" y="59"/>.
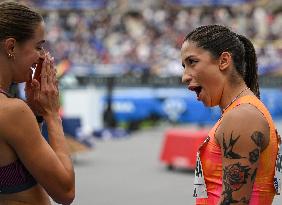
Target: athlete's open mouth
<point x="197" y="89"/>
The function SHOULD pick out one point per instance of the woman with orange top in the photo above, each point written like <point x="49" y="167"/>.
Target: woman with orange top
<point x="236" y="163"/>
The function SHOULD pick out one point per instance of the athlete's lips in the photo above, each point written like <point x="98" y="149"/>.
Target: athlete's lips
<point x="195" y="88"/>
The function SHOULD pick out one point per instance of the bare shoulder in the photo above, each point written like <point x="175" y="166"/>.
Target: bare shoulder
<point x="244" y="120"/>
<point x="14" y="113"/>
<point x="10" y="104"/>
<point x="13" y="108"/>
<point x="245" y="113"/>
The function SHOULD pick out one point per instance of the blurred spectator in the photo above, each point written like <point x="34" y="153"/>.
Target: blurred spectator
<point x="146" y="41"/>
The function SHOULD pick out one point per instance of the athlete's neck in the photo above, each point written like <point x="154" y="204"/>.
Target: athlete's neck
<point x="231" y="93"/>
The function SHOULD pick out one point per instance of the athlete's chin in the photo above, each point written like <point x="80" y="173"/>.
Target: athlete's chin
<point x="208" y="103"/>
<point x="204" y="100"/>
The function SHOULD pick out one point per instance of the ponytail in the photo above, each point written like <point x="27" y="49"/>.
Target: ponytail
<point x="251" y="67"/>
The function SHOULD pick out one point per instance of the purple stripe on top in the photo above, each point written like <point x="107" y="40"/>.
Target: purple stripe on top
<point x="13" y="174"/>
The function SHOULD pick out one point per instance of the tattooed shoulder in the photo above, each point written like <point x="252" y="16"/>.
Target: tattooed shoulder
<point x="228" y="147"/>
<point x="257" y="138"/>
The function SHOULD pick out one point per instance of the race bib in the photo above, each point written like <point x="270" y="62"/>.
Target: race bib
<point x="278" y="171"/>
<point x="278" y="168"/>
<point x="200" y="189"/>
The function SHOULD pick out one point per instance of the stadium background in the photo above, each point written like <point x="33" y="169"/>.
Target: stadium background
<point x="119" y="68"/>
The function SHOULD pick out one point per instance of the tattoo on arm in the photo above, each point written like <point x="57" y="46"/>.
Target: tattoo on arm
<point x="254" y="174"/>
<point x="228" y="149"/>
<point x="254" y="155"/>
<point x="257" y="138"/>
<point x="234" y="177"/>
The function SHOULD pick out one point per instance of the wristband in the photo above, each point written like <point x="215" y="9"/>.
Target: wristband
<point x="39" y="118"/>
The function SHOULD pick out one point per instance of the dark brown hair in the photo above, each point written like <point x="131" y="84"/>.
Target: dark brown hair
<point x="217" y="39"/>
<point x="17" y="21"/>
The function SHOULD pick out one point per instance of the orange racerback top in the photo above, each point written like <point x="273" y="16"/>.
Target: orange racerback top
<point x="210" y="154"/>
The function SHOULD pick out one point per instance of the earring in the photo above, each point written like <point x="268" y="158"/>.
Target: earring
<point x="11" y="56"/>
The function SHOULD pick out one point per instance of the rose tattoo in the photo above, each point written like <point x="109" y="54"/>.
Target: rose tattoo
<point x="235" y="176"/>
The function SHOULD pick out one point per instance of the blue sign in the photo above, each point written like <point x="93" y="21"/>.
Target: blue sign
<point x="177" y="105"/>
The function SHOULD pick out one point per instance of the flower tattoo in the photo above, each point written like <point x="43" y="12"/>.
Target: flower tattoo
<point x="254" y="156"/>
<point x="235" y="176"/>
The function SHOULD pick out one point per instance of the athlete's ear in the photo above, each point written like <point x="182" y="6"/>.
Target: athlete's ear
<point x="9" y="45"/>
<point x="225" y="60"/>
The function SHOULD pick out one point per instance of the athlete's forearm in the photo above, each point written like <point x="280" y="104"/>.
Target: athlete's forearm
<point x="57" y="140"/>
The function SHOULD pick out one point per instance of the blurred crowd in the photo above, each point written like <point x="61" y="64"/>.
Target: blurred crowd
<point x="147" y="41"/>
